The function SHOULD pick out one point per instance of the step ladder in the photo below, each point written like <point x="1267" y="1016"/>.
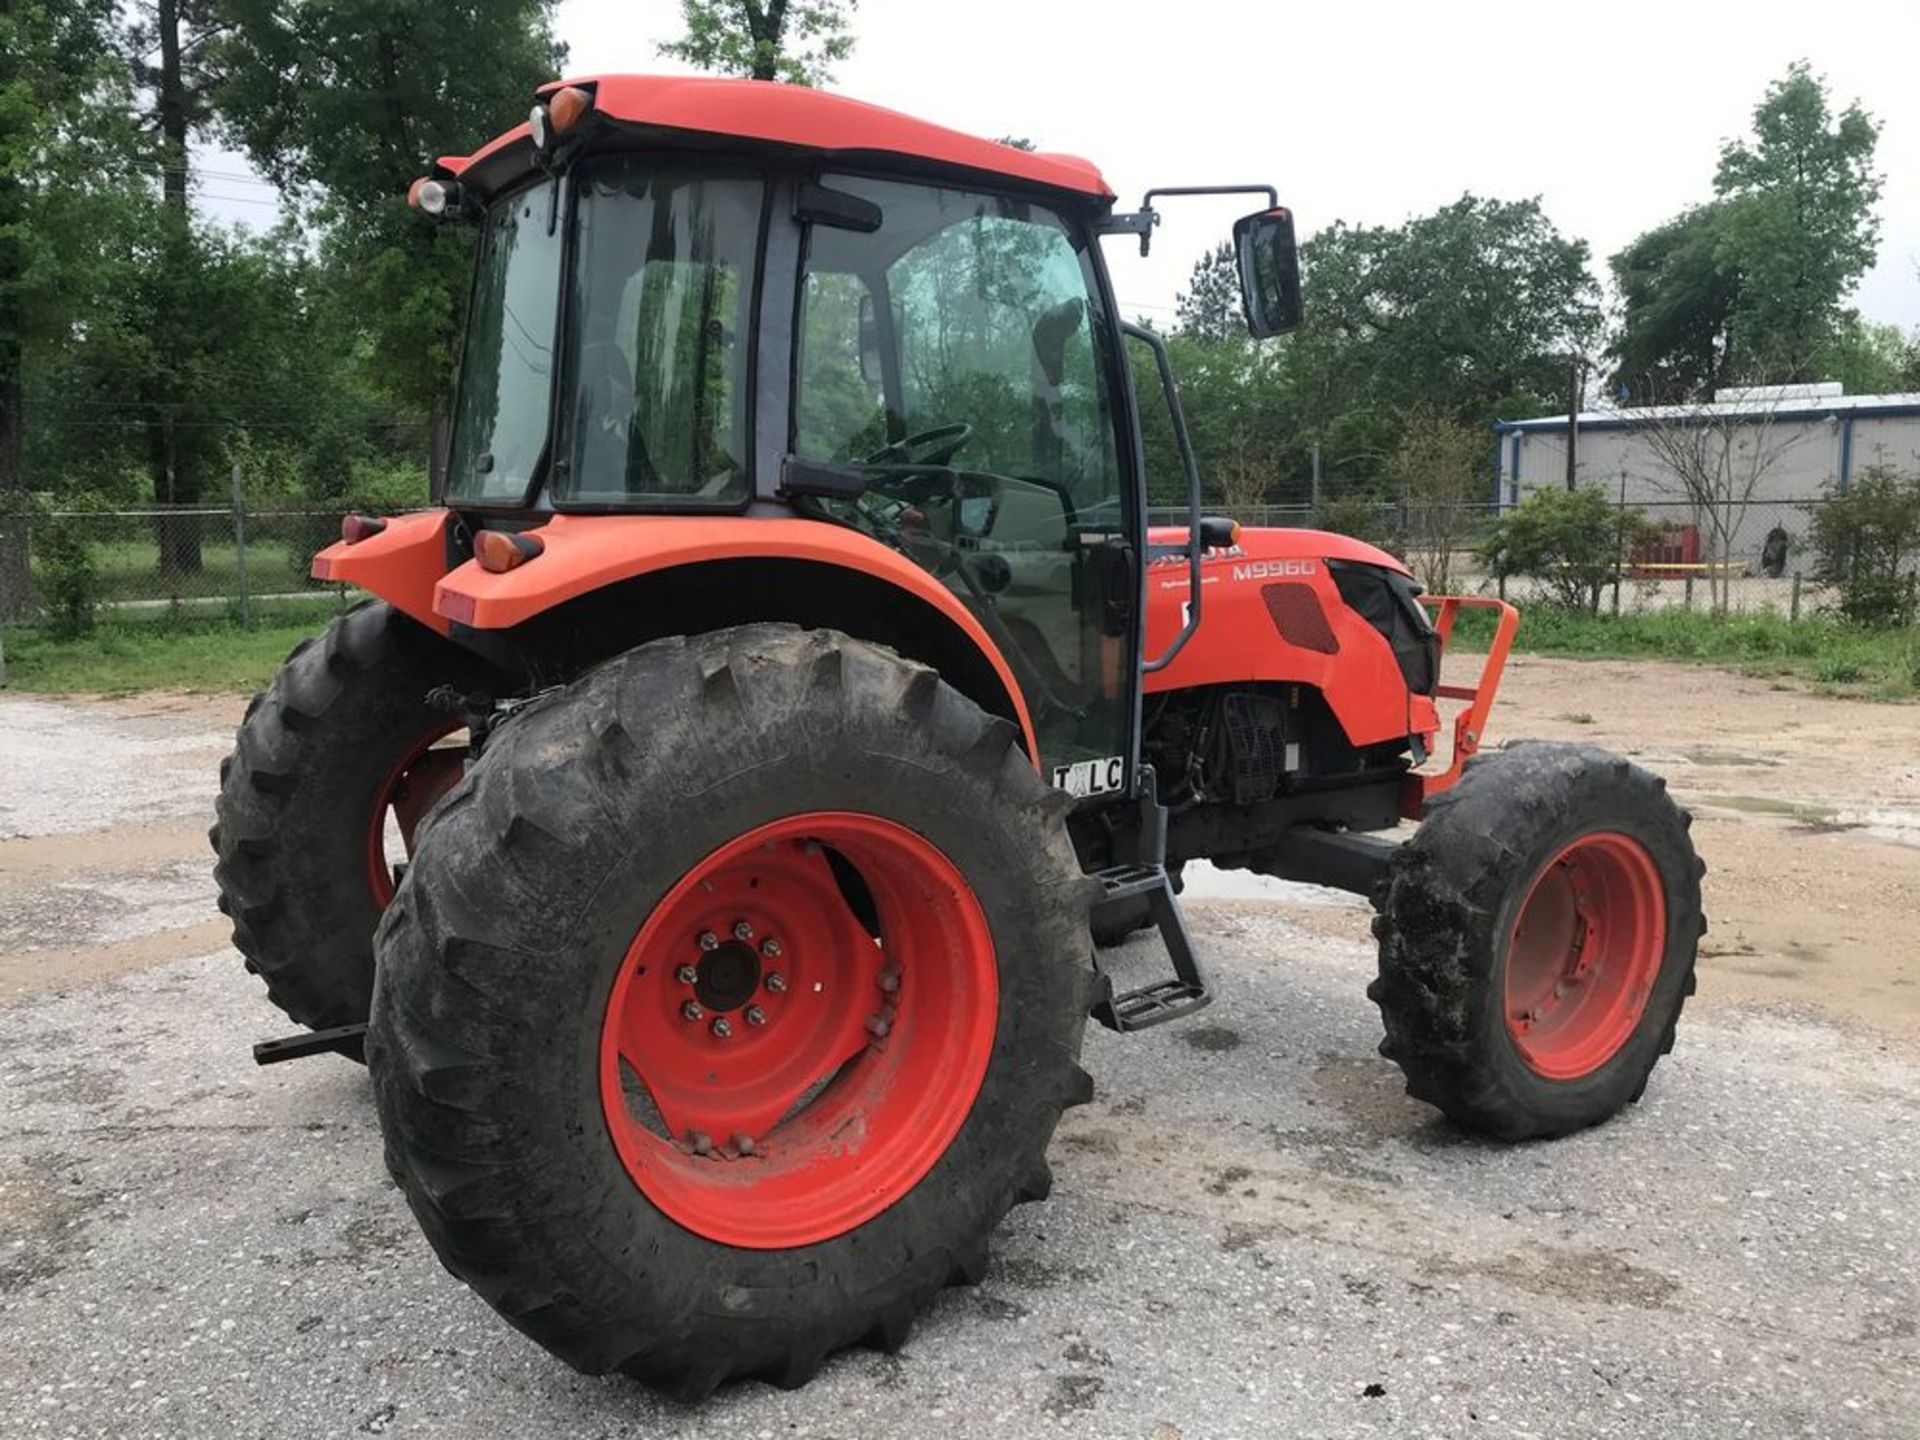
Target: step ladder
<point x="1182" y="993"/>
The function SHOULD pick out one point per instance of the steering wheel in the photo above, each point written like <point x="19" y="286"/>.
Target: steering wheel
<point x="935" y="446"/>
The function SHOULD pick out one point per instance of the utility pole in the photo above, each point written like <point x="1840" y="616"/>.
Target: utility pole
<point x="1315" y="493"/>
<point x="1576" y="382"/>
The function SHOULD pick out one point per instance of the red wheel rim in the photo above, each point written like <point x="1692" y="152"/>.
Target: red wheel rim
<point x="772" y="1073"/>
<point x="1584" y="954"/>
<point x="427" y="771"/>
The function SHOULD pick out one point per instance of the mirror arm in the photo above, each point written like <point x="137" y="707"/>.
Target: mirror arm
<point x="1195" y="548"/>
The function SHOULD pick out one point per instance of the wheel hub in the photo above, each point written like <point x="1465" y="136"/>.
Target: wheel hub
<point x="727" y="976"/>
<point x="799" y="1030"/>
<point x="1584" y="953"/>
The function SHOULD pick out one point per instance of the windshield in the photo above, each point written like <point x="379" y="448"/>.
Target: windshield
<point x="506" y="370"/>
<point x="661" y="316"/>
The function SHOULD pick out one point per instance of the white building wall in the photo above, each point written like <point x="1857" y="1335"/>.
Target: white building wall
<point x="1806" y="465"/>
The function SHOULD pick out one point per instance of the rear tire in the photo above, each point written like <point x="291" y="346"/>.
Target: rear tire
<point x="1536" y="1029"/>
<point x="298" y="795"/>
<point x="519" y="943"/>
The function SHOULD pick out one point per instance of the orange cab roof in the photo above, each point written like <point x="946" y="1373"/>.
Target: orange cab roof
<point x="815" y="120"/>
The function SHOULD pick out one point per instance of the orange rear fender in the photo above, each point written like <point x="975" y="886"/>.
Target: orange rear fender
<point x="401" y="564"/>
<point x="582" y="554"/>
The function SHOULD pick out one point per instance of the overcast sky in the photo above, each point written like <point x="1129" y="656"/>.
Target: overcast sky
<point x="1612" y="114"/>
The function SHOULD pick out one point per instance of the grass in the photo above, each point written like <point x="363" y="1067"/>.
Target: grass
<point x="205" y="651"/>
<point x="191" y="651"/>
<point x="129" y="569"/>
<point x="1847" y="659"/>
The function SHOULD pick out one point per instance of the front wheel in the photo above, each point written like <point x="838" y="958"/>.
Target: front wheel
<point x="1537" y="940"/>
<point x="730" y="1002"/>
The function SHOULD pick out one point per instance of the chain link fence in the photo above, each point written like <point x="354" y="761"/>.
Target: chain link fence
<point x="87" y="564"/>
<point x="1754" y="557"/>
<point x="134" y="562"/>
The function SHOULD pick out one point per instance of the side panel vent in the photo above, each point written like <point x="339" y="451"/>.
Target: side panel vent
<point x="1297" y="615"/>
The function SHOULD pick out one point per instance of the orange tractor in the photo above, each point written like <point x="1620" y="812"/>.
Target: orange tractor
<point x="703" y="834"/>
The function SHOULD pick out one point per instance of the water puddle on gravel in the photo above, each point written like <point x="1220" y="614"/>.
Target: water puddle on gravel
<point x="1885" y="823"/>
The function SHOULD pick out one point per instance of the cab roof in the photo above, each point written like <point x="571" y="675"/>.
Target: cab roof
<point x="792" y="116"/>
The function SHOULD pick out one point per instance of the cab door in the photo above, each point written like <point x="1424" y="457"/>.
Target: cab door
<point x="955" y="347"/>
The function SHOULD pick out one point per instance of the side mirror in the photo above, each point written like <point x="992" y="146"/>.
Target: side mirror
<point x="1269" y="271"/>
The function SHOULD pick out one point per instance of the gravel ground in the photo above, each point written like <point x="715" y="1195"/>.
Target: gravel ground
<point x="1252" y="1233"/>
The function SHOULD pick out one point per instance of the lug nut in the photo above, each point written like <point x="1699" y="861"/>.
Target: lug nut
<point x="686" y="974"/>
<point x="743" y="1143"/>
<point x="776" y="983"/>
<point x="691" y="1010"/>
<point x="701" y="1142"/>
<point x="770" y="948"/>
<point x="742" y="930"/>
<point x="755" y="1015"/>
<point x="709" y="940"/>
<point x="888" y="979"/>
<point x="878" y="1026"/>
<point x="722" y="1027"/>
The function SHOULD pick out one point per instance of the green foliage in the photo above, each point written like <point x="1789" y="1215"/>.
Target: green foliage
<point x="68" y="578"/>
<point x="1677" y="301"/>
<point x="1749" y="286"/>
<point x="1472" y="310"/>
<point x="1866" y="541"/>
<point x="353" y="98"/>
<point x="1798" y="223"/>
<point x="1440" y="469"/>
<point x="1573" y="542"/>
<point x="201" y="652"/>
<point x="1364" y="517"/>
<point x="797" y="41"/>
<point x="1209" y="310"/>
<point x="1830" y="652"/>
<point x="1871" y="359"/>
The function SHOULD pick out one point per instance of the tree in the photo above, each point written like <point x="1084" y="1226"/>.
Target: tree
<point x="1473" y="309"/>
<point x="1677" y="297"/>
<point x="1209" y="308"/>
<point x="66" y="175"/>
<point x="1714" y="458"/>
<point x="798" y="41"/>
<point x="352" y="99"/>
<point x="1866" y="541"/>
<point x="1441" y="468"/>
<point x="1751" y="284"/>
<point x="1797" y="221"/>
<point x="1871" y="359"/>
<point x="1573" y="541"/>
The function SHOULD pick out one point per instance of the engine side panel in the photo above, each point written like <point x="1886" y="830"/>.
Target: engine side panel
<point x="1270" y="611"/>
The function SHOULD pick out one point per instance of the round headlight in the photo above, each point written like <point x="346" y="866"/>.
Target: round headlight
<point x="537" y="123"/>
<point x="431" y="197"/>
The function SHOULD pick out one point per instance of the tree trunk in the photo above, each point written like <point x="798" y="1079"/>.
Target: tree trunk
<point x="439" y="445"/>
<point x="16" y="578"/>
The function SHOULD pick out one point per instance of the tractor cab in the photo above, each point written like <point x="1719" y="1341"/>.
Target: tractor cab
<point x="712" y="298"/>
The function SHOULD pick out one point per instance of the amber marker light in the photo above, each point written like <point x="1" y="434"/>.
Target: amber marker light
<point x="499" y="551"/>
<point x="565" y="107"/>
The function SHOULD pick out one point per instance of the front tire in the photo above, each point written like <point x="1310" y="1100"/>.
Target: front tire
<point x="1537" y="940"/>
<point x="583" y="1146"/>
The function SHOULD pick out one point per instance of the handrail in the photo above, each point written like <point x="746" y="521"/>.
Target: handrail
<point x="1470" y="724"/>
<point x="1194" y="549"/>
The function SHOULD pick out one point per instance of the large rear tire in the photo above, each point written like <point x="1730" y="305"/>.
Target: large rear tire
<point x="340" y="740"/>
<point x="1537" y="940"/>
<point x="633" y="863"/>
